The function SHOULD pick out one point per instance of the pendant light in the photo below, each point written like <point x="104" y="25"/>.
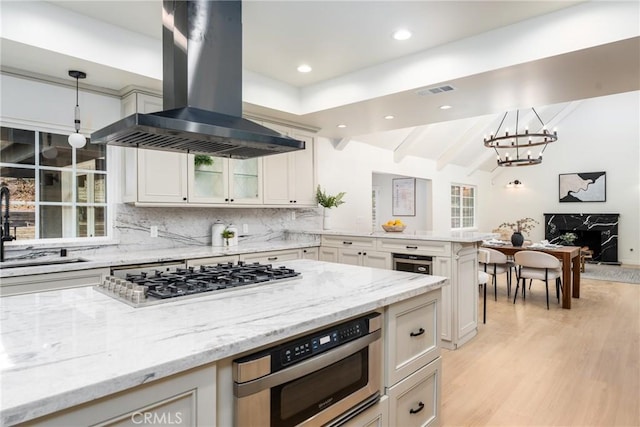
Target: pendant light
<point x="77" y="140"/>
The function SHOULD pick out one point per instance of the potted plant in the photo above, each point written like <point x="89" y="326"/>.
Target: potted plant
<point x="227" y="234"/>
<point x="328" y="202"/>
<point x="202" y="160"/>
<point x="567" y="239"/>
<point x="523" y="225"/>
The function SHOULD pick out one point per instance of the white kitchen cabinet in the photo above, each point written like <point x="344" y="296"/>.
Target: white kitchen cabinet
<point x="225" y="181"/>
<point x="289" y="178"/>
<point x="185" y="399"/>
<point x="364" y="258"/>
<point x="415" y="401"/>
<point x="139" y="102"/>
<point x="271" y="256"/>
<point x="50" y="281"/>
<point x="412" y="361"/>
<point x="328" y="254"/>
<point x="311" y="253"/>
<point x="460" y="296"/>
<point x="412" y="335"/>
<point x="162" y="177"/>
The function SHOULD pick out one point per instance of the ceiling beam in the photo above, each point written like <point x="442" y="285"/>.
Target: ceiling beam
<point x="340" y="143"/>
<point x="470" y="136"/>
<point x="404" y="148"/>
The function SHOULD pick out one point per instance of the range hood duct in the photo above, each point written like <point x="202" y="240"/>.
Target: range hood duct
<point x="202" y="90"/>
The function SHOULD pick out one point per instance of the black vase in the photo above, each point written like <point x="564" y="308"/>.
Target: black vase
<point x="517" y="239"/>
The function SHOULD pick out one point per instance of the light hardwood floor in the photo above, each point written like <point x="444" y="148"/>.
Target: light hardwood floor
<point x="533" y="367"/>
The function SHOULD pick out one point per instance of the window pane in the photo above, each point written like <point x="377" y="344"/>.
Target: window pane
<point x="91" y="221"/>
<point x="56" y="186"/>
<point x="55" y="150"/>
<point x="91" y="188"/>
<point x="17" y="146"/>
<point x="92" y="157"/>
<point x="56" y="222"/>
<point x="22" y="195"/>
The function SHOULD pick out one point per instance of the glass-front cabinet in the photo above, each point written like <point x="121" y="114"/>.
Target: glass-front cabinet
<point x="222" y="180"/>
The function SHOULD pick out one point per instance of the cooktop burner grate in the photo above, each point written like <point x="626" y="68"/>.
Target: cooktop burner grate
<point x="155" y="286"/>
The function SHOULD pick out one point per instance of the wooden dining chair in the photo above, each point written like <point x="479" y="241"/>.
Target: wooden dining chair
<point x="535" y="265"/>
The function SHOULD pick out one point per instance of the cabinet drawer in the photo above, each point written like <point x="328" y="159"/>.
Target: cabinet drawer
<point x="375" y="416"/>
<point x="413" y="335"/>
<point x="273" y="256"/>
<point x="212" y="260"/>
<point x="349" y="242"/>
<point x="311" y="253"/>
<point x="408" y="246"/>
<point x="415" y="401"/>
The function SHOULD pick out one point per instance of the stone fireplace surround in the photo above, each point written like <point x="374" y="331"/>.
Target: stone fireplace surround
<point x="598" y="231"/>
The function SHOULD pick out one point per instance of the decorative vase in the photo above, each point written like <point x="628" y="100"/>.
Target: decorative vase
<point x="326" y="219"/>
<point x="517" y="239"/>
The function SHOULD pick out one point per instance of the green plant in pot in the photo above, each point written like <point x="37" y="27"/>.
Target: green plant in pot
<point x="567" y="239"/>
<point x="328" y="201"/>
<point x="202" y="160"/>
<point x="227" y="234"/>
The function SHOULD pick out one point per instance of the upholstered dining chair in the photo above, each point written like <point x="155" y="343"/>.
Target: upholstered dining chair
<point x="483" y="279"/>
<point x="536" y="265"/>
<point x="496" y="263"/>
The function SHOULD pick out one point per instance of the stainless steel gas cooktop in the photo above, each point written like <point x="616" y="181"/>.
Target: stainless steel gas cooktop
<point x="156" y="286"/>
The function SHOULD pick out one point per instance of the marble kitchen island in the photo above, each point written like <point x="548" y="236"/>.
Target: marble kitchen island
<point x="64" y="348"/>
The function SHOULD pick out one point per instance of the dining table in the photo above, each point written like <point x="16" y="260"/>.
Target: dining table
<point x="570" y="257"/>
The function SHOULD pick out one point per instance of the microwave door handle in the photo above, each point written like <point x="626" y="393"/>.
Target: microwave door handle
<point x="305" y="367"/>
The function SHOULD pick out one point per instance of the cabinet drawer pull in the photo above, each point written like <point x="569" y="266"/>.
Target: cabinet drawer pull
<point x="412" y="247"/>
<point x="364" y="253"/>
<point x="417" y="334"/>
<point x="420" y="408"/>
<point x="273" y="258"/>
<point x="347" y="243"/>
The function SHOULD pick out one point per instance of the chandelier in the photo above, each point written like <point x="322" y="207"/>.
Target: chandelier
<point x="514" y="148"/>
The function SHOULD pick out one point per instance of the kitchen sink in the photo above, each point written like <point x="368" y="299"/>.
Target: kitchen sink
<point x="41" y="263"/>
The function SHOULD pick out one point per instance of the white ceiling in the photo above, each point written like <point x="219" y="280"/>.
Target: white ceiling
<point x="338" y="38"/>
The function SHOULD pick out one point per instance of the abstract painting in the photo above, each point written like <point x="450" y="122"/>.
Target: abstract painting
<point x="583" y="187"/>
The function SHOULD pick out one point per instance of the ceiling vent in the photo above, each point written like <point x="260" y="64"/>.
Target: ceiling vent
<point x="435" y="90"/>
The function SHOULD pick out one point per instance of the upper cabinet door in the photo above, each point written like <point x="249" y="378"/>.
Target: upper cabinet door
<point x="208" y="179"/>
<point x="245" y="181"/>
<point x="162" y="176"/>
<point x="289" y="178"/>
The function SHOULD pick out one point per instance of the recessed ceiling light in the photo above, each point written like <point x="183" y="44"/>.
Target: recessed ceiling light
<point x="342" y="126"/>
<point x="445" y="107"/>
<point x="389" y="117"/>
<point x="402" y="34"/>
<point x="304" y="68"/>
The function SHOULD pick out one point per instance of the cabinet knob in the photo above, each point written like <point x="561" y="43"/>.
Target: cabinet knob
<point x="226" y="200"/>
<point x="184" y="198"/>
<point x="364" y="253"/>
<point x="359" y="253"/>
<point x="231" y="200"/>
<point x="304" y="250"/>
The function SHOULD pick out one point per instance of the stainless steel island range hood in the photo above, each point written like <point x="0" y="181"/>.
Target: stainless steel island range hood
<point x="202" y="90"/>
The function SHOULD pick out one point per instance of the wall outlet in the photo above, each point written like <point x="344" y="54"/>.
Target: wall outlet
<point x="293" y="215"/>
<point x="153" y="231"/>
<point x="245" y="228"/>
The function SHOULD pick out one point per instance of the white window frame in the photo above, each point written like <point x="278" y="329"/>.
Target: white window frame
<point x="74" y="204"/>
<point x="461" y="206"/>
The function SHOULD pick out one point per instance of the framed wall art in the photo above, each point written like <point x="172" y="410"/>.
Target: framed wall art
<point x="404" y="197"/>
<point x="583" y="187"/>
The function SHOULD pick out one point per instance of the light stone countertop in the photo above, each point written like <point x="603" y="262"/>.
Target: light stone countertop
<point x="120" y="258"/>
<point x="444" y="236"/>
<point x="63" y="348"/>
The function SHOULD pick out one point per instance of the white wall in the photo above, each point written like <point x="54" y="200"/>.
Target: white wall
<point x="350" y="170"/>
<point x="601" y="134"/>
<point x="421" y="221"/>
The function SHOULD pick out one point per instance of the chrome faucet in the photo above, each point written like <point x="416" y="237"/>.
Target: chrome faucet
<point x="5" y="235"/>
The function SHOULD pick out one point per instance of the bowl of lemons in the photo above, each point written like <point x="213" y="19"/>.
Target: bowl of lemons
<point x="394" y="226"/>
